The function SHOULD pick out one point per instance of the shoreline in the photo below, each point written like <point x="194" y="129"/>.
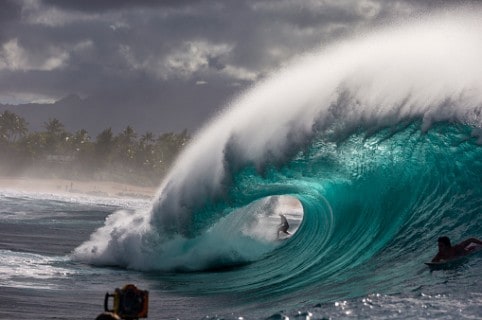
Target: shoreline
<point x="66" y="186"/>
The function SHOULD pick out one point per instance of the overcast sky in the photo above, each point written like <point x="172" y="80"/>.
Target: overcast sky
<point x="170" y="64"/>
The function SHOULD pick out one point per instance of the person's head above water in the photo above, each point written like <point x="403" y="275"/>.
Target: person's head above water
<point x="445" y="241"/>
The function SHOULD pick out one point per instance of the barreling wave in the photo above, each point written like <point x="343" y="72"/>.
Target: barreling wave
<point x="377" y="137"/>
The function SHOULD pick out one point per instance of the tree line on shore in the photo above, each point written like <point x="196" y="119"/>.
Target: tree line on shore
<point x="55" y="152"/>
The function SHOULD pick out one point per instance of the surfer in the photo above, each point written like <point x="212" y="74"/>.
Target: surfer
<point x="284" y="226"/>
<point x="448" y="252"/>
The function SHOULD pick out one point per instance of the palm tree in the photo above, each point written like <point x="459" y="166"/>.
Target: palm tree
<point x="80" y="143"/>
<point x="55" y="135"/>
<point x="169" y="145"/>
<point x="145" y="155"/>
<point x="54" y="127"/>
<point x="80" y="138"/>
<point x="33" y="145"/>
<point x="125" y="143"/>
<point x="147" y="138"/>
<point x="12" y="127"/>
<point x="127" y="136"/>
<point x="104" y="144"/>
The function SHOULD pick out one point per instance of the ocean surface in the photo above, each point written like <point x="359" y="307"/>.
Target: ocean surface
<point x="370" y="147"/>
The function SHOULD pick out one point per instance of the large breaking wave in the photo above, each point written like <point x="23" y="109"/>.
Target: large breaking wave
<point x="377" y="137"/>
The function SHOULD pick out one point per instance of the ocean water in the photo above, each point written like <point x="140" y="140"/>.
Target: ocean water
<point x="371" y="148"/>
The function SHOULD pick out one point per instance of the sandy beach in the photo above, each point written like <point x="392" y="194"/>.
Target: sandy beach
<point x="60" y="186"/>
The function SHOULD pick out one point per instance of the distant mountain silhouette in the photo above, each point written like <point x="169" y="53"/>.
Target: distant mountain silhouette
<point x="92" y="114"/>
<point x="71" y="110"/>
<point x="167" y="108"/>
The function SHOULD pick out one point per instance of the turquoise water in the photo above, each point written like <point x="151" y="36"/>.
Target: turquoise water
<point x="370" y="147"/>
<point x="305" y="277"/>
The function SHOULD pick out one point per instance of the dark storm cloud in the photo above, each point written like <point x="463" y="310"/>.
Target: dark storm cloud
<point x="106" y="5"/>
<point x="166" y="64"/>
<point x="9" y="12"/>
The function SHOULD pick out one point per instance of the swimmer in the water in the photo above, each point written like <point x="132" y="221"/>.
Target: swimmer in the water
<point x="284" y="226"/>
<point x="448" y="252"/>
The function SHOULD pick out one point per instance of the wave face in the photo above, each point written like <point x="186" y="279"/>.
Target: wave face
<point x="377" y="137"/>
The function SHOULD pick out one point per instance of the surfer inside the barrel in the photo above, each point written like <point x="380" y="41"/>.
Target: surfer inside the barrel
<point x="284" y="226"/>
<point x="448" y="252"/>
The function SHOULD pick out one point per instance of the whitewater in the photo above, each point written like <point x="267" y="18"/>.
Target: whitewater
<point x="371" y="147"/>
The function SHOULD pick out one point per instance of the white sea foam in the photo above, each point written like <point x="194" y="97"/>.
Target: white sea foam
<point x="24" y="270"/>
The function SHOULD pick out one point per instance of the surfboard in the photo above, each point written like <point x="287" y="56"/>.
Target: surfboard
<point x="455" y="262"/>
<point x="283" y="237"/>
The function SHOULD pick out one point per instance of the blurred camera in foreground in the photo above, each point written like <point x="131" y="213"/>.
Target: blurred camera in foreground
<point x="129" y="303"/>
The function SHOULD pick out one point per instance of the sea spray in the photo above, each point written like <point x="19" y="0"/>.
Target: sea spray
<point x="429" y="70"/>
